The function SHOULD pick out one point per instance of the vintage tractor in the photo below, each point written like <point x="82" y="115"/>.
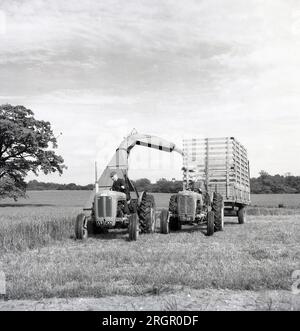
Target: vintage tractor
<point x="192" y="206"/>
<point x="108" y="212"/>
<point x="188" y="207"/>
<point x="106" y="209"/>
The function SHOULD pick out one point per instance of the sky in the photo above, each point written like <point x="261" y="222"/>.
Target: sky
<point x="204" y="68"/>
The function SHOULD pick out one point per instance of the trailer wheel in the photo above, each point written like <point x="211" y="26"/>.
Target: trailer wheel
<point x="210" y="223"/>
<point x="175" y="224"/>
<point x="81" y="227"/>
<point x="133" y="228"/>
<point x="147" y="213"/>
<point x="242" y="215"/>
<point x="218" y="209"/>
<point x="164" y="222"/>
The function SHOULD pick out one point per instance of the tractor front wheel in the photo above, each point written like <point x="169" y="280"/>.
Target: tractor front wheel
<point x="210" y="223"/>
<point x="133" y="227"/>
<point x="164" y="222"/>
<point x="81" y="227"/>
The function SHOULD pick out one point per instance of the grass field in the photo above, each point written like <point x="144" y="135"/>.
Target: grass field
<point x="41" y="260"/>
<point x="259" y="255"/>
<point x="78" y="199"/>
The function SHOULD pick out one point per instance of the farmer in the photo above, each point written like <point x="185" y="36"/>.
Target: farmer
<point x="120" y="186"/>
<point x="118" y="183"/>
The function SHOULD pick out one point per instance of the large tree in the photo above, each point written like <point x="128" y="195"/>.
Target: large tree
<point x="26" y="145"/>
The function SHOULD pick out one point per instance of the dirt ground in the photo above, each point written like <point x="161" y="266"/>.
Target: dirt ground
<point x="184" y="300"/>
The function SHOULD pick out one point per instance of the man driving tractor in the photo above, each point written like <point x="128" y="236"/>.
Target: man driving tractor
<point x="119" y="185"/>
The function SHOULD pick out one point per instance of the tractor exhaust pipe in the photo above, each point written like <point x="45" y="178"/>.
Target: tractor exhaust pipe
<point x="96" y="178"/>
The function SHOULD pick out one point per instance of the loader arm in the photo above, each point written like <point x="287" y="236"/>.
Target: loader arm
<point x="119" y="161"/>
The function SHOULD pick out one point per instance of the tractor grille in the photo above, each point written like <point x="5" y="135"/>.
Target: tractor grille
<point x="104" y="205"/>
<point x="186" y="205"/>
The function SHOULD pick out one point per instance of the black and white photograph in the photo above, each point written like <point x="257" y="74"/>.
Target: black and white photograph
<point x="149" y="158"/>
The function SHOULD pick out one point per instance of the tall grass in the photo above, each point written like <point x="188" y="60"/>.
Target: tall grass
<point x="29" y="228"/>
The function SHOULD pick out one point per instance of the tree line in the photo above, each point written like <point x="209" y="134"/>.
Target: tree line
<point x="264" y="183"/>
<point x="143" y="184"/>
<point x="35" y="185"/>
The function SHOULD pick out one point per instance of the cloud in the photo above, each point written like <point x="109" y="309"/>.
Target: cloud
<point x="96" y="69"/>
<point x="2" y="22"/>
<point x="84" y="97"/>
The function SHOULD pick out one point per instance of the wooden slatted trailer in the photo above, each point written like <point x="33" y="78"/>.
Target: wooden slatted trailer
<point x="220" y="165"/>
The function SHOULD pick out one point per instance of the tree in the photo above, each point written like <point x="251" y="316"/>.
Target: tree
<point x="142" y="184"/>
<point x="25" y="144"/>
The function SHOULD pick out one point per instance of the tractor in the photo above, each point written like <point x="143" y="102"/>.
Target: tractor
<point x="189" y="207"/>
<point x="108" y="212"/>
<point x="106" y="209"/>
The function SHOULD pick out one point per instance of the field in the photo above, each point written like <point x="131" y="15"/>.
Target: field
<point x="274" y="200"/>
<point x="248" y="264"/>
<point x="78" y="198"/>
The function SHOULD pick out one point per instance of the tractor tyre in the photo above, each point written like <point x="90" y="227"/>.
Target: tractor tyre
<point x="210" y="223"/>
<point x="173" y="204"/>
<point x="133" y="228"/>
<point x="164" y="222"/>
<point x="242" y="215"/>
<point x="147" y="214"/>
<point x="175" y="224"/>
<point x="218" y="209"/>
<point x="81" y="227"/>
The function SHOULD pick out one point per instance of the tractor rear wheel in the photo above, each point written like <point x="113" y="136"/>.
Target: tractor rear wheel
<point x="242" y="215"/>
<point x="175" y="224"/>
<point x="81" y="227"/>
<point x="133" y="228"/>
<point x="210" y="223"/>
<point x="218" y="209"/>
<point x="173" y="204"/>
<point x="147" y="213"/>
<point x="164" y="222"/>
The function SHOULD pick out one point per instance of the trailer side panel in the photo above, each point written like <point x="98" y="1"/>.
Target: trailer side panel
<point x="219" y="165"/>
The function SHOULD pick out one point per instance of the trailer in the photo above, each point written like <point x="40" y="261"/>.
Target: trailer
<point x="219" y="165"/>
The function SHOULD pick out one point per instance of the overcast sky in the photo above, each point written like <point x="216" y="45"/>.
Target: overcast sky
<point x="98" y="68"/>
